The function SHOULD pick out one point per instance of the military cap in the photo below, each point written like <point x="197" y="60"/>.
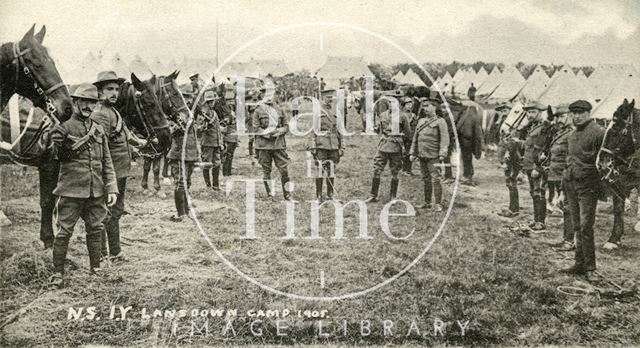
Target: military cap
<point x="501" y="106"/>
<point x="580" y="106"/>
<point x="562" y="109"/>
<point x="186" y="89"/>
<point x="108" y="76"/>
<point x="533" y="105"/>
<point x="407" y="100"/>
<point x="86" y="91"/>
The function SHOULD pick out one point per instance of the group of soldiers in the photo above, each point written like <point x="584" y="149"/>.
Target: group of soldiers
<point x="559" y="154"/>
<point x="95" y="156"/>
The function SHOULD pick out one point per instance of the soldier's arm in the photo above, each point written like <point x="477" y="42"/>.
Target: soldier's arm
<point x="108" y="172"/>
<point x="414" y="142"/>
<point x="284" y="129"/>
<point x="444" y="138"/>
<point x="133" y="138"/>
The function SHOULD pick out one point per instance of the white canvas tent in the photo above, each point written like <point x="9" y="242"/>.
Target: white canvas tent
<point x="490" y="83"/>
<point x="120" y="67"/>
<point x="537" y="83"/>
<point x="606" y="76"/>
<point x="140" y="68"/>
<point x="581" y="75"/>
<point x="86" y="71"/>
<point x="627" y="87"/>
<point x="565" y="87"/>
<point x="399" y="77"/>
<point x="411" y="78"/>
<point x="338" y="68"/>
<point x="511" y="83"/>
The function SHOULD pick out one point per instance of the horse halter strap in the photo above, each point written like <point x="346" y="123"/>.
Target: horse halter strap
<point x="18" y="60"/>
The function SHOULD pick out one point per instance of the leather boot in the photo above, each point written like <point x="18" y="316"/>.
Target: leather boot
<point x="375" y="185"/>
<point x="268" y="189"/>
<point x="93" y="247"/>
<point x="394" y="188"/>
<point x="206" y="173"/>
<point x="285" y="193"/>
<point x="427" y="195"/>
<point x="330" y="190"/>
<point x="542" y="214"/>
<point x="178" y="197"/>
<point x="113" y="236"/>
<point x="514" y="199"/>
<point x="319" y="189"/>
<point x="60" y="247"/>
<point x="215" y="179"/>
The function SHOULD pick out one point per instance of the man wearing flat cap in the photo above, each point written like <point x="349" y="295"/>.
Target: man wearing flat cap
<point x="86" y="177"/>
<point x="582" y="184"/>
<point x="106" y="115"/>
<point x="538" y="131"/>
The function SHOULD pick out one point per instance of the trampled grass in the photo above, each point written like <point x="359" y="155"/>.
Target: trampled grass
<point x="505" y="285"/>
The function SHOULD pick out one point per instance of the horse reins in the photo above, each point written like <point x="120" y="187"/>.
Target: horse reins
<point x="142" y="117"/>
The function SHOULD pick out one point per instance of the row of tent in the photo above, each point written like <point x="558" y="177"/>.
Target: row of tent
<point x="336" y="68"/>
<point x="605" y="88"/>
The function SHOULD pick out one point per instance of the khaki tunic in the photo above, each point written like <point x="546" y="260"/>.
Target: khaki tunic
<point x="114" y="127"/>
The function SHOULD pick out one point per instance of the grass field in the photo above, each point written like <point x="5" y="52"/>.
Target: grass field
<point x="503" y="284"/>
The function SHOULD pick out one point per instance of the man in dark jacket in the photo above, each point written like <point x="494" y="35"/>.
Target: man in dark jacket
<point x="86" y="177"/>
<point x="211" y="141"/>
<point x="583" y="187"/>
<point x="468" y="124"/>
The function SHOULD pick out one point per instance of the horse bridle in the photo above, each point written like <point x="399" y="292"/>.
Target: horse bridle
<point x="611" y="172"/>
<point x="172" y="107"/>
<point x="18" y="60"/>
<point x="142" y="116"/>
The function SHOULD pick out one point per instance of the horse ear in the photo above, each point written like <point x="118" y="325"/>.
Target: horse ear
<point x="625" y="101"/>
<point x="632" y="104"/>
<point x="40" y="35"/>
<point x="153" y="80"/>
<point x="173" y="75"/>
<point x="136" y="82"/>
<point x="29" y="33"/>
<point x="550" y="115"/>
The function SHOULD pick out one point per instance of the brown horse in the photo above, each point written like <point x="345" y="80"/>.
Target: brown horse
<point x="618" y="162"/>
<point x="28" y="70"/>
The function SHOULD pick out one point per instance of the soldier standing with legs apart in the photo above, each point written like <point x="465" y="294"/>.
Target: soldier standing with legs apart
<point x="510" y="152"/>
<point x="271" y="146"/>
<point x="105" y="114"/>
<point x="390" y="147"/>
<point x="327" y="147"/>
<point x="537" y="136"/>
<point x="430" y="145"/>
<point x="86" y="177"/>
<point x="582" y="184"/>
<point x="179" y="173"/>
<point x="211" y="141"/>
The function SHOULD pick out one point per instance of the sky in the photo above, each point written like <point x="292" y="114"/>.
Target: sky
<point x="585" y="32"/>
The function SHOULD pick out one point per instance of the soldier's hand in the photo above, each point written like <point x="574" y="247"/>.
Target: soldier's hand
<point x="412" y="158"/>
<point x="543" y="157"/>
<point x="142" y="143"/>
<point x="58" y="134"/>
<point x="441" y="158"/>
<point x="111" y="199"/>
<point x="155" y="141"/>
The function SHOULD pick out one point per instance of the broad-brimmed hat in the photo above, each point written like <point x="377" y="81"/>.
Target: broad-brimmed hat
<point x="187" y="89"/>
<point x="506" y="105"/>
<point x="407" y="100"/>
<point x="194" y="76"/>
<point x="107" y="76"/>
<point x="209" y="95"/>
<point x="562" y="109"/>
<point x="86" y="91"/>
<point x="533" y="105"/>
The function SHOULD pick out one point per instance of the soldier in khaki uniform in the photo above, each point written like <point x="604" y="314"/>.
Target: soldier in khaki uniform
<point x="174" y="156"/>
<point x="224" y="109"/>
<point x="558" y="150"/>
<point x="538" y="132"/>
<point x="510" y="151"/>
<point x="430" y="145"/>
<point x="271" y="147"/>
<point x="582" y="185"/>
<point x="211" y="141"/>
<point x="412" y="119"/>
<point x="105" y="114"/>
<point x="390" y="147"/>
<point x="327" y="147"/>
<point x="86" y="177"/>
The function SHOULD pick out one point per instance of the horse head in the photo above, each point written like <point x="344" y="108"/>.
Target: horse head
<point x="173" y="104"/>
<point x="620" y="141"/>
<point x="141" y="108"/>
<point x="36" y="76"/>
